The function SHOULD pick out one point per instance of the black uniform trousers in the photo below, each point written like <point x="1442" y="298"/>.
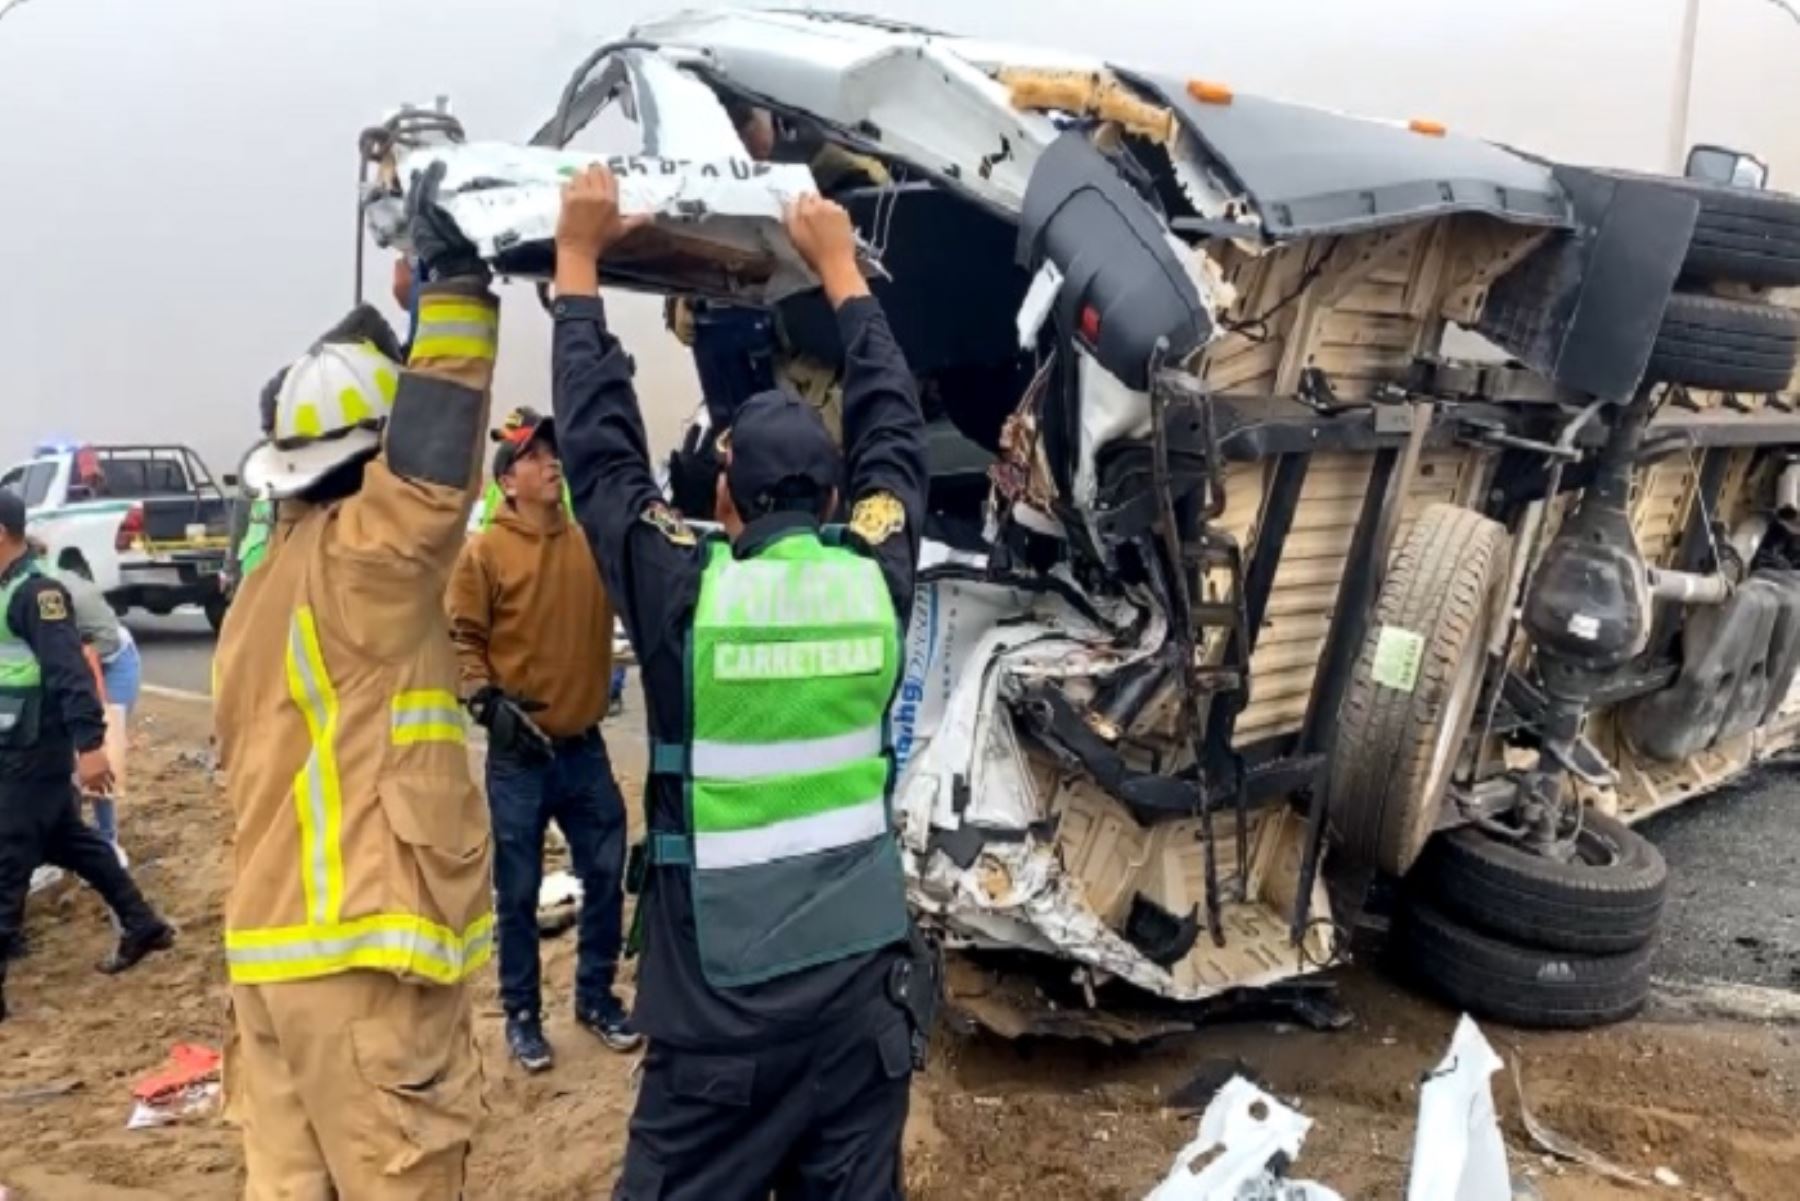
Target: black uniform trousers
<point x="40" y="822"/>
<point x="819" y="1118"/>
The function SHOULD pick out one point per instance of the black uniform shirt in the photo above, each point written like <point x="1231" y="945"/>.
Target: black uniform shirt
<point x="652" y="563"/>
<point x="71" y="718"/>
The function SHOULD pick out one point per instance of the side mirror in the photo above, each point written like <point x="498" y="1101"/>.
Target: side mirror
<point x="1733" y="168"/>
<point x="80" y="492"/>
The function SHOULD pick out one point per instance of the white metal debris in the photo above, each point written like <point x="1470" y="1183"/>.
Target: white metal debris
<point x="1243" y="1133"/>
<point x="502" y="196"/>
<point x="898" y="92"/>
<point x="559" y="902"/>
<point x="1458" y="1154"/>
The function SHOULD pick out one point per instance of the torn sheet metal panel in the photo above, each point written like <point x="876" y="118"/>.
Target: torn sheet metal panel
<point x="680" y="116"/>
<point x="1109" y="411"/>
<point x="718" y="228"/>
<point x="1251" y="1139"/>
<point x="949" y="619"/>
<point x="987" y="823"/>
<point x="868" y="80"/>
<point x="1458" y="1154"/>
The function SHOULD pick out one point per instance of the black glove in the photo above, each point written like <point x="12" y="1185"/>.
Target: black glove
<point x="364" y="324"/>
<point x="438" y="245"/>
<point x="508" y="723"/>
<point x="694" y="469"/>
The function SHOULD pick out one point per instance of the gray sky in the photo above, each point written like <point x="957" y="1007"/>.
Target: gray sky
<point x="177" y="199"/>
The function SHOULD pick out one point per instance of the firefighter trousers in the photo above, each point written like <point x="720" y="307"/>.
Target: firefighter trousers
<point x="353" y="1087"/>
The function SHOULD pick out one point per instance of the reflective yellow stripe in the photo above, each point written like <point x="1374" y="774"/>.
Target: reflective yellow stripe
<point x="427" y="715"/>
<point x="425" y="698"/>
<point x="455" y="328"/>
<point x="430" y="732"/>
<point x="450" y="346"/>
<point x="469" y="311"/>
<point x="318" y="799"/>
<point x="383" y="942"/>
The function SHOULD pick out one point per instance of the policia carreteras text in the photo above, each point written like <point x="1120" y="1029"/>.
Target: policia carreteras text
<point x="775" y="986"/>
<point x="52" y="725"/>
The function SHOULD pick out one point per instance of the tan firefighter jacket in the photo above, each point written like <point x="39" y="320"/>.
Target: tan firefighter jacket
<point x="360" y="838"/>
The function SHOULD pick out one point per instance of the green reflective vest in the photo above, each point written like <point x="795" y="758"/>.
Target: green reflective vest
<point x="255" y="543"/>
<point x="19" y="670"/>
<point x="793" y="658"/>
<point x="21" y="677"/>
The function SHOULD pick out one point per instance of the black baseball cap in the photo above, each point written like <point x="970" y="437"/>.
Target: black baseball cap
<point x="12" y="513"/>
<point x="522" y="427"/>
<point x="776" y="437"/>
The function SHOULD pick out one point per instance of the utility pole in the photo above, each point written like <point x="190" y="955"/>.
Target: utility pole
<point x="1684" y="87"/>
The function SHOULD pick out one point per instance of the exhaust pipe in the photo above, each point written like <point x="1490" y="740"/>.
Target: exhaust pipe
<point x="1687" y="588"/>
<point x="1747" y="539"/>
<point x="1787" y="495"/>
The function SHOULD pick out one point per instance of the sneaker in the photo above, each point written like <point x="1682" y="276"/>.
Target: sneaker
<point x="136" y="945"/>
<point x="525" y="1039"/>
<point x="608" y="1023"/>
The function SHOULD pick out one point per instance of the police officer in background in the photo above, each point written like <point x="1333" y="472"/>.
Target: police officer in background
<point x="51" y="720"/>
<point x="778" y="981"/>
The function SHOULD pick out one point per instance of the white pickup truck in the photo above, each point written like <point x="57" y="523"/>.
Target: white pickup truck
<point x="147" y="522"/>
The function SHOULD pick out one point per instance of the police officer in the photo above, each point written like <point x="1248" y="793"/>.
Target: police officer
<point x="51" y="719"/>
<point x="774" y="923"/>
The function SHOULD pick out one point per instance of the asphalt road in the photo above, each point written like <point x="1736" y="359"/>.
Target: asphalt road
<point x="177" y="649"/>
<point x="1733" y="909"/>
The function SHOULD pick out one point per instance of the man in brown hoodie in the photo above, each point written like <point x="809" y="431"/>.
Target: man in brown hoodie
<point x="533" y="632"/>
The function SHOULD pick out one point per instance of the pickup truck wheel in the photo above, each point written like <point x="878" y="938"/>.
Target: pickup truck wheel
<point x="1524" y="986"/>
<point x="1730" y="345"/>
<point x="1413" y="691"/>
<point x="1607" y="900"/>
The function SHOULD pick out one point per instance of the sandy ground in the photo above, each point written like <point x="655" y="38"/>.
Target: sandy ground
<point x="1716" y="1102"/>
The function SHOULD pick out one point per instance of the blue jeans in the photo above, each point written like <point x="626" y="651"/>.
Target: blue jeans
<point x="577" y="791"/>
<point x="124" y="675"/>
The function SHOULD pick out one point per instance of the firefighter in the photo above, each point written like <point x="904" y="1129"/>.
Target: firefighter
<point x="359" y="902"/>
<point x="780" y="991"/>
<point x="51" y="718"/>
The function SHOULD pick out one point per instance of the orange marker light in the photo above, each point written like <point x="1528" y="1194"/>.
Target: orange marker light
<point x="1208" y="92"/>
<point x="1431" y="129"/>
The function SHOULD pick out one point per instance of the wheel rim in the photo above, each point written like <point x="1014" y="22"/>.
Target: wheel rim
<point x="1594" y="848"/>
